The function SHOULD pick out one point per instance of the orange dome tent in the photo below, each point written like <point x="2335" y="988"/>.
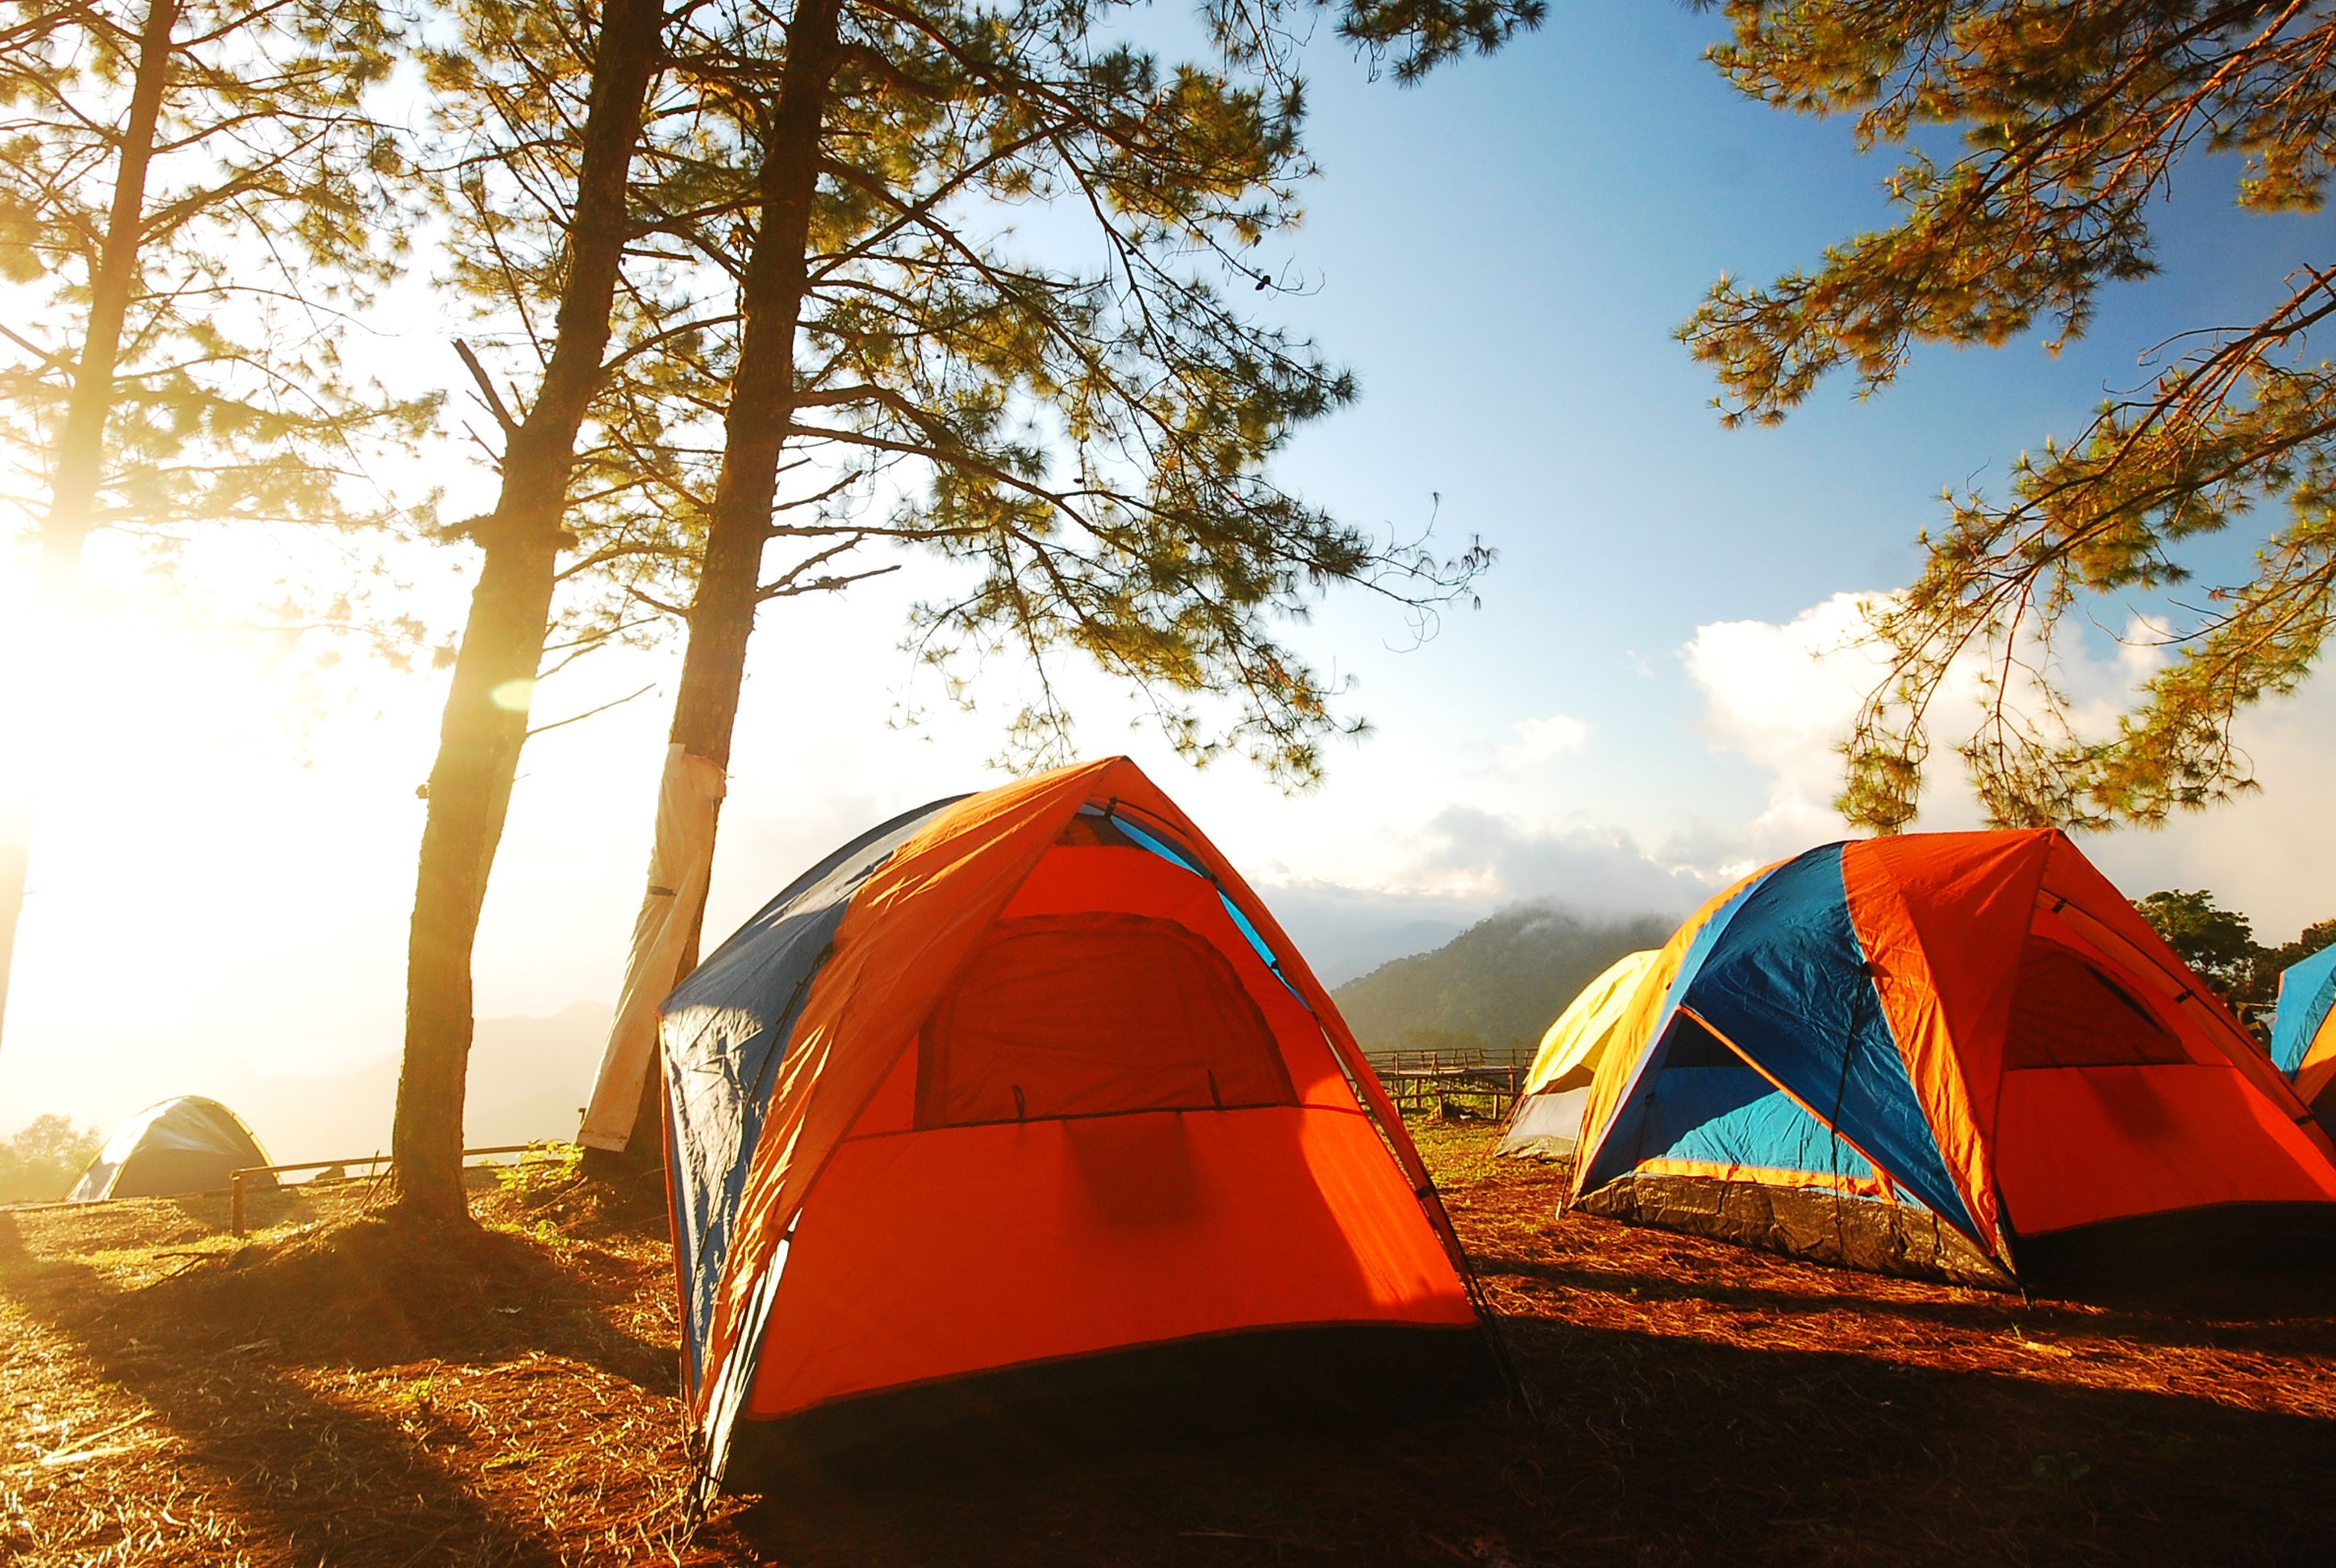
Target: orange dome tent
<point x="1021" y="1089"/>
<point x="1951" y="1053"/>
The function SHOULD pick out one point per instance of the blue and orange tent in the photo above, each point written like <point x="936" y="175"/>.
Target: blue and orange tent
<point x="1958" y="1054"/>
<point x="2303" y="1030"/>
<point x="1022" y="1088"/>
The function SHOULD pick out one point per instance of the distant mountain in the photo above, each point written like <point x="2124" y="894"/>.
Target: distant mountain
<point x="1495" y="986"/>
<point x="530" y="1077"/>
<point x="1345" y="931"/>
<point x="1361" y="953"/>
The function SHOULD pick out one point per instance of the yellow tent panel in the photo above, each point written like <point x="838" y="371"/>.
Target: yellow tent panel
<point x="1548" y="1115"/>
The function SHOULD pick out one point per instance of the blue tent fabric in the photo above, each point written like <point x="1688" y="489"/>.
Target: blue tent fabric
<point x="1620" y="1145"/>
<point x="1176" y="854"/>
<point x="2307" y="993"/>
<point x="1727" y="1115"/>
<point x="726" y="1033"/>
<point x="1792" y="993"/>
<point x="1801" y="1000"/>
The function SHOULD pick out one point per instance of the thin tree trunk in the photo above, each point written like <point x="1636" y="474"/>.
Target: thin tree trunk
<point x="755" y="433"/>
<point x="15" y="862"/>
<point x="485" y="722"/>
<point x="762" y="400"/>
<point x="81" y="446"/>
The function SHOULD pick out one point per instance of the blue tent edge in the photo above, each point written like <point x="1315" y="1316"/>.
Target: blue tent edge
<point x="2307" y="993"/>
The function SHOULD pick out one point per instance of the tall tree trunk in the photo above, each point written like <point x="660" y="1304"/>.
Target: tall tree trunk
<point x="755" y="433"/>
<point x="762" y="399"/>
<point x="81" y="446"/>
<point x="485" y="721"/>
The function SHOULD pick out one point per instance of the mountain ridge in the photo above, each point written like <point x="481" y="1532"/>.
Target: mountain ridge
<point x="1494" y="988"/>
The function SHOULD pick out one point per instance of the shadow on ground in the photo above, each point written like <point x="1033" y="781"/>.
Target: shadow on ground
<point x="1646" y="1449"/>
<point x="353" y="1395"/>
<point x="334" y="1393"/>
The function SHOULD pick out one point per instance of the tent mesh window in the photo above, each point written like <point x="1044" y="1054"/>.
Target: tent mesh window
<point x="2066" y="1013"/>
<point x="1093" y="1014"/>
<point x="1694" y="1046"/>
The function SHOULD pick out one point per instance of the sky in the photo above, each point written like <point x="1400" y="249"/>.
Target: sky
<point x="1645" y="704"/>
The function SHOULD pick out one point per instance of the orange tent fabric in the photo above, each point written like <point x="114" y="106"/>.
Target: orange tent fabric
<point x="1046" y="1081"/>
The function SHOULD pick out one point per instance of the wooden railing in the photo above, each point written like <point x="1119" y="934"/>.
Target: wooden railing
<point x="238" y="1184"/>
<point x="1421" y="1081"/>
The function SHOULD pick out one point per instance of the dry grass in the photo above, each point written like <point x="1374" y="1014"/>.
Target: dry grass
<point x="332" y="1391"/>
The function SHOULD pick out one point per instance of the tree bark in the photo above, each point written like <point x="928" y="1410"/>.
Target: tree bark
<point x="485" y="721"/>
<point x="81" y="446"/>
<point x="762" y="400"/>
<point x="754" y="435"/>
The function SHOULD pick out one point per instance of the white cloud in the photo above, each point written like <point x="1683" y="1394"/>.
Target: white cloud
<point x="1543" y="740"/>
<point x="1781" y="696"/>
<point x="1596" y="871"/>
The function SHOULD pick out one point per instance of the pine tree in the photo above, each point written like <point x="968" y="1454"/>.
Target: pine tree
<point x="40" y="1164"/>
<point x="1088" y="443"/>
<point x="193" y="197"/>
<point x="2076" y="116"/>
<point x="2219" y="944"/>
<point x="541" y="121"/>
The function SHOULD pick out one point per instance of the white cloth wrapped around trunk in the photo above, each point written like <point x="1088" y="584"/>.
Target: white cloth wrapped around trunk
<point x="680" y="867"/>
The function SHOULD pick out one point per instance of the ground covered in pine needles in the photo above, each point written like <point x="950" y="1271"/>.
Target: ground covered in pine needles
<point x="325" y="1392"/>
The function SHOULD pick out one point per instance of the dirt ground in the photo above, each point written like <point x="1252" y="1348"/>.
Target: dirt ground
<point x="319" y="1393"/>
